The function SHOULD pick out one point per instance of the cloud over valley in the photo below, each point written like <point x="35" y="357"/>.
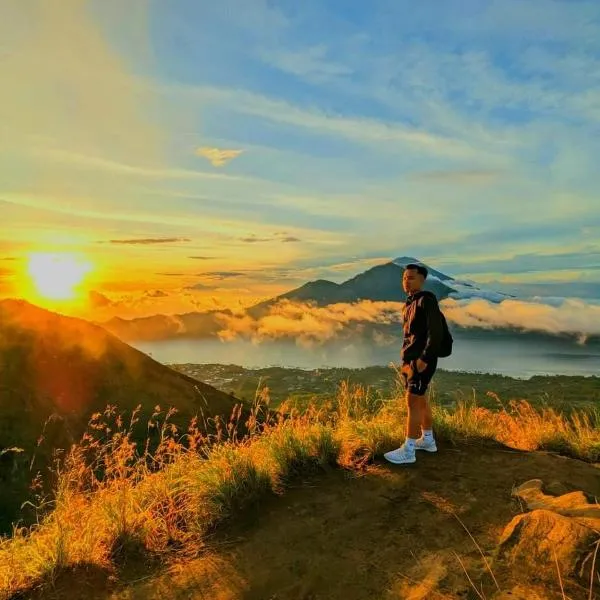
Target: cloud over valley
<point x="377" y="322"/>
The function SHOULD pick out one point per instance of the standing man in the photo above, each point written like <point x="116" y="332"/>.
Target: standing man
<point x="423" y="335"/>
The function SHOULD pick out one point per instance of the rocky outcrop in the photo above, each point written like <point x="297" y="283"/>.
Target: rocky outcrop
<point x="560" y="533"/>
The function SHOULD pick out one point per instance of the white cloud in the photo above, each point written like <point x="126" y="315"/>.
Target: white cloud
<point x="306" y="323"/>
<point x="97" y="163"/>
<point x="570" y="316"/>
<point x="312" y="324"/>
<point x="216" y="227"/>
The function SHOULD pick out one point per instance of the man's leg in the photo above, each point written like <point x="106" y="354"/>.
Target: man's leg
<point x="426" y="416"/>
<point x="415" y="415"/>
<point x="426" y="441"/>
<point x="414" y="402"/>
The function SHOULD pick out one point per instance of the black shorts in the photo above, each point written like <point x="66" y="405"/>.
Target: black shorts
<point x="417" y="383"/>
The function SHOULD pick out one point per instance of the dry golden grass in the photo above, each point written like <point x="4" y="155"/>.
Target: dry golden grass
<point x="524" y="427"/>
<point x="112" y="498"/>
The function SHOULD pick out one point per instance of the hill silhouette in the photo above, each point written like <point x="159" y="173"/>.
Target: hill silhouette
<point x="57" y="371"/>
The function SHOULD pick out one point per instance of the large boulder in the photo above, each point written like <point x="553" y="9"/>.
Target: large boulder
<point x="559" y="534"/>
<point x="540" y="540"/>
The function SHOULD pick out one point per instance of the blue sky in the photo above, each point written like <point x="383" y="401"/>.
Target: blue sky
<point x="290" y="141"/>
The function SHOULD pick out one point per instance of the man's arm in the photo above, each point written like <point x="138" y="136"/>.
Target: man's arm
<point x="435" y="331"/>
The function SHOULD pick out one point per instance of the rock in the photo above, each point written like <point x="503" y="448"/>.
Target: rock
<point x="533" y="484"/>
<point x="557" y="488"/>
<point x="572" y="504"/>
<point x="537" y="541"/>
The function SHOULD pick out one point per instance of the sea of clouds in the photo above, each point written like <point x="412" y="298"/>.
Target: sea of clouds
<point x="310" y="324"/>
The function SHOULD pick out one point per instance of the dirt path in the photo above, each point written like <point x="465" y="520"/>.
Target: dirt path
<point x="392" y="533"/>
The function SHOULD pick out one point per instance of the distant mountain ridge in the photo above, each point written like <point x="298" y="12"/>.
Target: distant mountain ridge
<point x="381" y="283"/>
<point x="196" y="324"/>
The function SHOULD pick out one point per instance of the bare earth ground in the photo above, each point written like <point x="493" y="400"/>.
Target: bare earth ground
<point x="390" y="533"/>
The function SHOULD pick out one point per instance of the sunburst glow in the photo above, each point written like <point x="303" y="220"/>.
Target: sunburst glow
<point x="57" y="276"/>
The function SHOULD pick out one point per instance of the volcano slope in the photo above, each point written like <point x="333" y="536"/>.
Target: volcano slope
<point x="451" y="526"/>
<point x="58" y="371"/>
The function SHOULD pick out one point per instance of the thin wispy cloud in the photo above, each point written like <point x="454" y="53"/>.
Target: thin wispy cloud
<point x="201" y="287"/>
<point x="278" y="237"/>
<point x="467" y="177"/>
<point x="255" y="239"/>
<point x="310" y="64"/>
<point x="361" y="130"/>
<point x="149" y="241"/>
<point x="567" y="262"/>
<point x="133" y="168"/>
<point x="222" y="274"/>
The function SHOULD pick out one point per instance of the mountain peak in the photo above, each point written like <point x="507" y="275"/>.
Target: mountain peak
<point x="402" y="261"/>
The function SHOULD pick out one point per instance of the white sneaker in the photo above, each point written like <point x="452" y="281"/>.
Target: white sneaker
<point x="400" y="456"/>
<point x="422" y="444"/>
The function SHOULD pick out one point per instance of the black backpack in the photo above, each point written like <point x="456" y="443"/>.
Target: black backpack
<point x="447" y="340"/>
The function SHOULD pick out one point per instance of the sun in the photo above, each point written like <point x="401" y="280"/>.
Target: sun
<point x="57" y="276"/>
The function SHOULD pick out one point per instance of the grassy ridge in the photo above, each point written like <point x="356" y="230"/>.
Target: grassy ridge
<point x="113" y="498"/>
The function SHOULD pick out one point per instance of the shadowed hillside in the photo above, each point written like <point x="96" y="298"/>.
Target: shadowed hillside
<point x="57" y="371"/>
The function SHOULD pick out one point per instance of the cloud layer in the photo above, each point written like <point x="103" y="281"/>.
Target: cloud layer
<point x="564" y="316"/>
<point x="306" y="323"/>
<point x="309" y="324"/>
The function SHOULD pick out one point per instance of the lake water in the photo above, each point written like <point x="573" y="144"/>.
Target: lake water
<point x="516" y="356"/>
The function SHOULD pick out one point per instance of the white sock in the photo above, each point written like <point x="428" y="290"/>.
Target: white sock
<point x="428" y="435"/>
<point x="409" y="444"/>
